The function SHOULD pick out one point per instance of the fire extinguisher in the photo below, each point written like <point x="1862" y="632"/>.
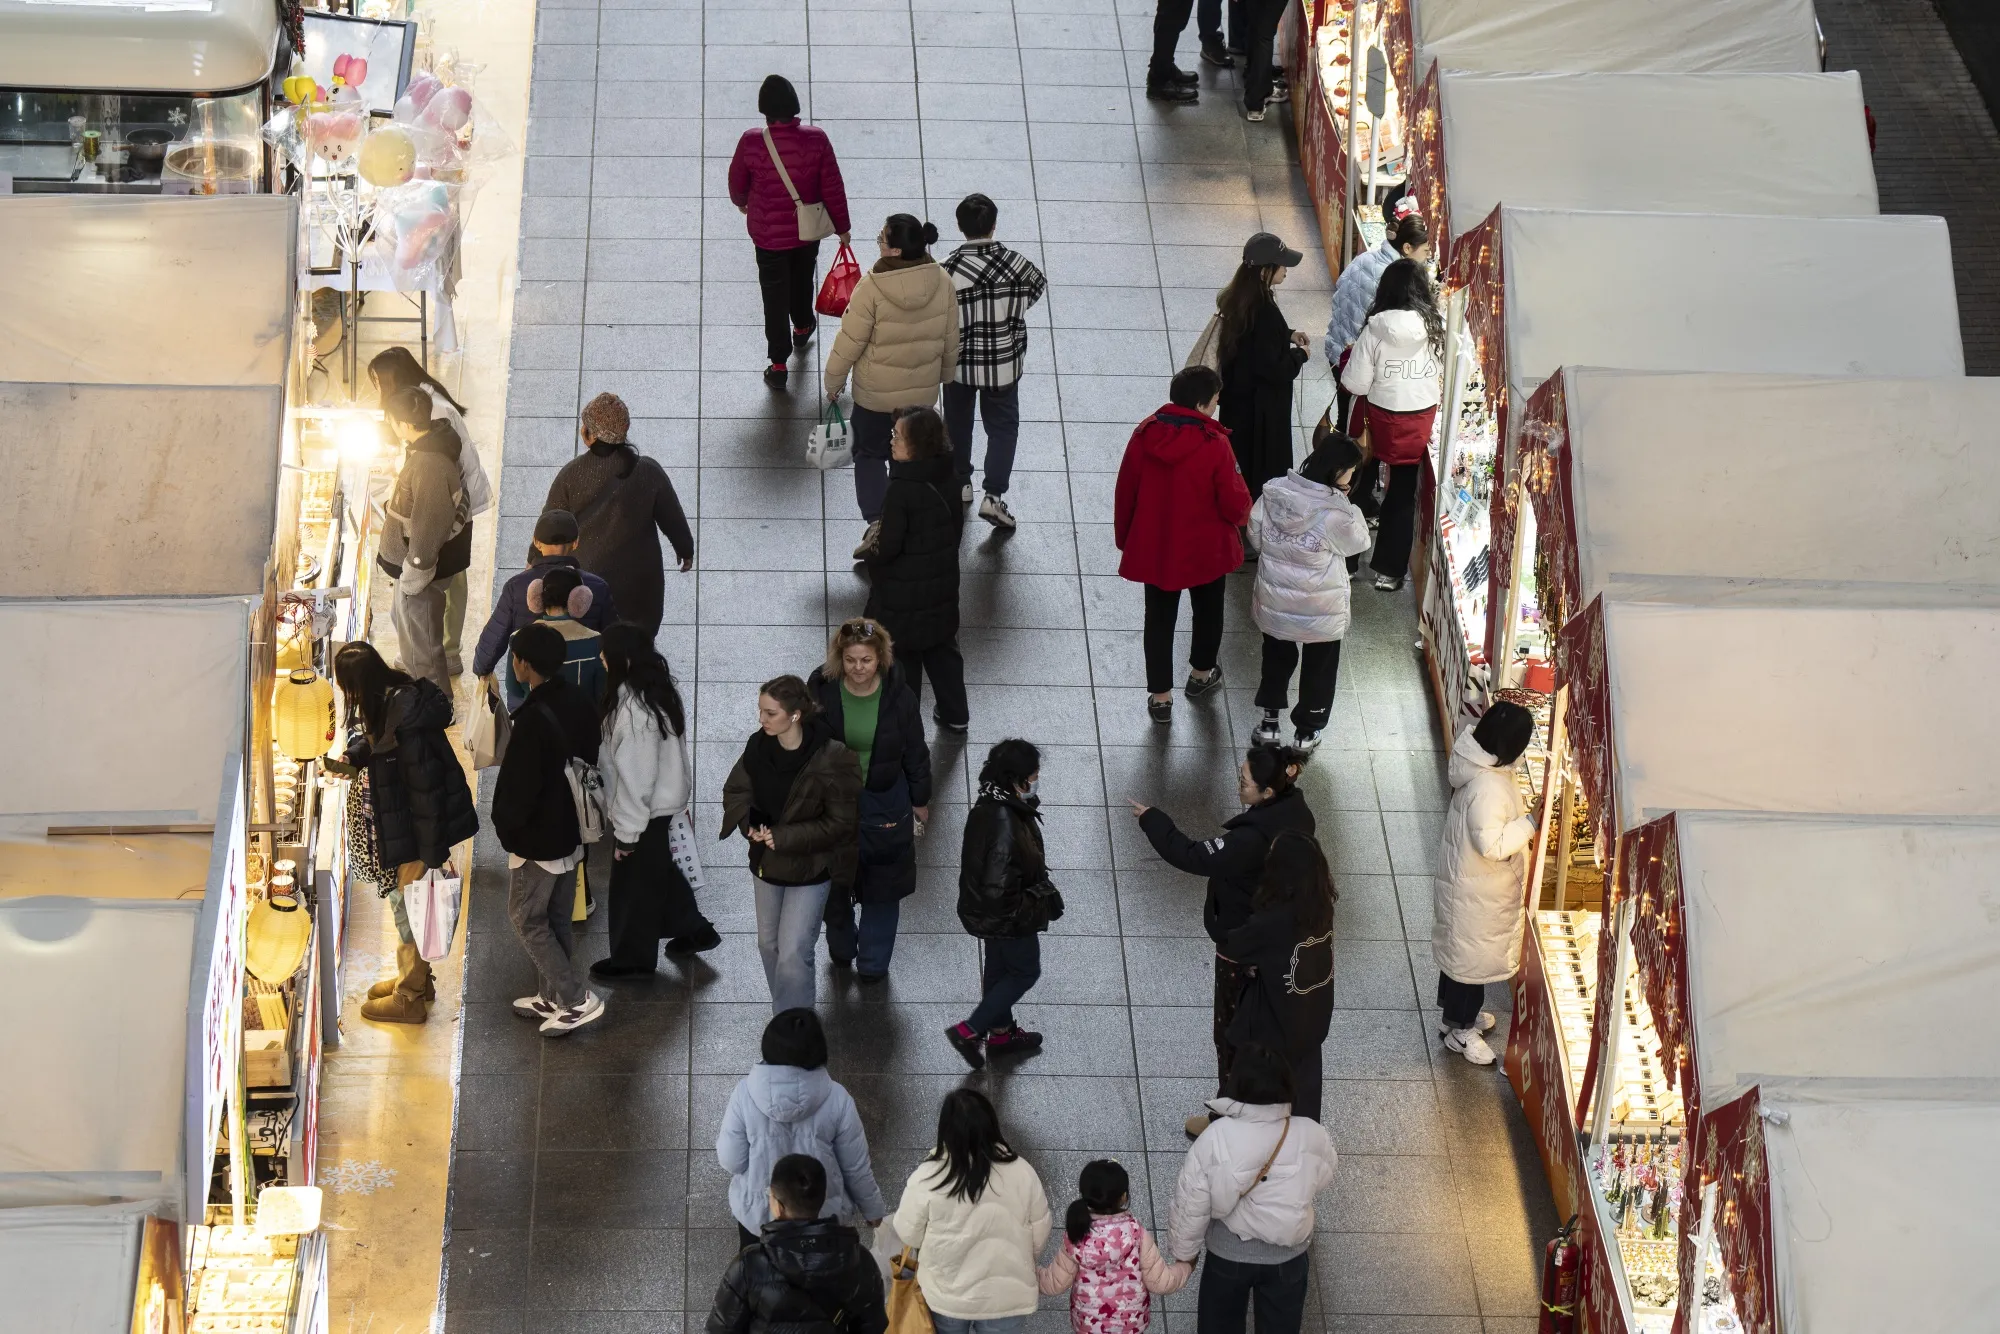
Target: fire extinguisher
<point x="1562" y="1268"/>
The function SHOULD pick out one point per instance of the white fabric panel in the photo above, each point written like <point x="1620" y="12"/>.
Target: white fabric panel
<point x="125" y="289"/>
<point x="196" y="46"/>
<point x="1675" y="143"/>
<point x="1832" y="948"/>
<point x="137" y="705"/>
<point x="70" y="1270"/>
<point x="1775" y="36"/>
<point x="1887" y="482"/>
<point x="1882" y="1215"/>
<point x="102" y="1115"/>
<point x="1693" y="292"/>
<point x="1824" y="710"/>
<point x="183" y="484"/>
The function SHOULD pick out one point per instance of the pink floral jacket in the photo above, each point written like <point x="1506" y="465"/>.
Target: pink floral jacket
<point x="1111" y="1275"/>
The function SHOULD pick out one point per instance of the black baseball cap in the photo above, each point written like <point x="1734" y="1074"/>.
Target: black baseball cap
<point x="1265" y="249"/>
<point x="556" y="528"/>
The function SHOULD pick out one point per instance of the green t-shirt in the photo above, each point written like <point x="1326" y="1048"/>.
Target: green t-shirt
<point x="858" y="714"/>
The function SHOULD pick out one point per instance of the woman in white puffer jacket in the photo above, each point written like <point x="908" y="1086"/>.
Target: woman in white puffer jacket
<point x="1478" y="901"/>
<point x="647" y="782"/>
<point x="1304" y="529"/>
<point x="1245" y="1193"/>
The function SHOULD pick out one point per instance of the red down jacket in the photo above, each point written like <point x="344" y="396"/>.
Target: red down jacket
<point x="1180" y="501"/>
<point x="753" y="181"/>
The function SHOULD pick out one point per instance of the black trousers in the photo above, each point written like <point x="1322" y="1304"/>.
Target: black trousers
<point x="1208" y="15"/>
<point x="1230" y="978"/>
<point x="1163" y="609"/>
<point x="1316" y="684"/>
<point x="651" y="900"/>
<point x="1228" y="1285"/>
<point x="1399" y="521"/>
<point x="1261" y="18"/>
<point x="785" y="278"/>
<point x="1460" y="1001"/>
<point x="946" y="667"/>
<point x="1170" y="19"/>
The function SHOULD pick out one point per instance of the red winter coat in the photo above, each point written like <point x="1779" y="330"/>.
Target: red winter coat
<point x="1180" y="501"/>
<point x="808" y="155"/>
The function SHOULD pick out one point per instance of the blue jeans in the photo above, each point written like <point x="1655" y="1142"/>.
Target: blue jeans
<point x="869" y="947"/>
<point x="951" y="1324"/>
<point x="1000" y="409"/>
<point x="787" y="930"/>
<point x="1013" y="964"/>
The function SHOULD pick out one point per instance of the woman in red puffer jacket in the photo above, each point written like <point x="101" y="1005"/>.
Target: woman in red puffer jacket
<point x="1180" y="504"/>
<point x="785" y="264"/>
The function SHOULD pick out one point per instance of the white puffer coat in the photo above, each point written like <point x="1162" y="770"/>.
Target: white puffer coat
<point x="1478" y="900"/>
<point x="645" y="773"/>
<point x="976" y="1257"/>
<point x="1222" y="1165"/>
<point x="1303" y="532"/>
<point x="1393" y="365"/>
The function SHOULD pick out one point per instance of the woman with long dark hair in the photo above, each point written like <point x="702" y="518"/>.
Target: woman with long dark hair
<point x="1286" y="952"/>
<point x="648" y="784"/>
<point x="976" y="1210"/>
<point x="1395" y="373"/>
<point x="420" y="806"/>
<point x="1259" y="356"/>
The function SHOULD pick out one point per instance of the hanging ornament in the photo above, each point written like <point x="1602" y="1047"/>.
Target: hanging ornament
<point x="302" y="721"/>
<point x="275" y="938"/>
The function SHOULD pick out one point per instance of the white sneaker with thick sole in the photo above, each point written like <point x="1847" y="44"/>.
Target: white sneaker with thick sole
<point x="1387" y="583"/>
<point x="1465" y="1041"/>
<point x="1270" y="732"/>
<point x="1485" y="1022"/>
<point x="576" y="1016"/>
<point x="536" y="1007"/>
<point x="1305" y="743"/>
<point x="994" y="510"/>
<point x="1256" y="115"/>
<point x="965" y="494"/>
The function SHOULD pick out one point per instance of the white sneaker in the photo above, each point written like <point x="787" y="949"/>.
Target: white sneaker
<point x="1465" y="1041"/>
<point x="1270" y="731"/>
<point x="965" y="494"/>
<point x="1256" y="115"/>
<point x="576" y="1016"/>
<point x="1305" y="742"/>
<point x="534" y="1007"/>
<point x="994" y="510"/>
<point x="1484" y="1023"/>
<point x="1388" y="583"/>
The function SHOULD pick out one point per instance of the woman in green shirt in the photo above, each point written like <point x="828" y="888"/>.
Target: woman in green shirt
<point x="874" y="713"/>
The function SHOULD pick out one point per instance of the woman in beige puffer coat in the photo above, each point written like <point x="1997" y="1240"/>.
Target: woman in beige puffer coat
<point x="900" y="339"/>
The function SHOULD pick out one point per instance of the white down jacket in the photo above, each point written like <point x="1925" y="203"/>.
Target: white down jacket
<point x="1219" y="1171"/>
<point x="1304" y="532"/>
<point x="1478" y="901"/>
<point x="978" y="1256"/>
<point x="645" y="773"/>
<point x="1393" y="365"/>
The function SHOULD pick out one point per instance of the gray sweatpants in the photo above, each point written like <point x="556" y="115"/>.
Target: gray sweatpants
<point x="534" y="895"/>
<point x="419" y="622"/>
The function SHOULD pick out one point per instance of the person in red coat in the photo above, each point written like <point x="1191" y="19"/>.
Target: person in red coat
<point x="785" y="264"/>
<point x="1180" y="504"/>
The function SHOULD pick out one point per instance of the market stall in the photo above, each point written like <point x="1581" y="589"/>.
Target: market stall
<point x="1643" y="291"/>
<point x="103" y="1269"/>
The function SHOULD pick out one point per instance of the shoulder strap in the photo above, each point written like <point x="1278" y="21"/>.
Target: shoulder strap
<point x="562" y="733"/>
<point x="1265" y="1170"/>
<point x="771" y="146"/>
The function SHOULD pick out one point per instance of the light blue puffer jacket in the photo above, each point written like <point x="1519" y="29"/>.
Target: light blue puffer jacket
<point x="1353" y="294"/>
<point x="781" y="1109"/>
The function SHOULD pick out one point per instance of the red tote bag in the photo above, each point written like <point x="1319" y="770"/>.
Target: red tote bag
<point x="838" y="288"/>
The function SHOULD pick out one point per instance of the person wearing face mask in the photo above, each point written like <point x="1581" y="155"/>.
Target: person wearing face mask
<point x="1397" y="377"/>
<point x="425" y="537"/>
<point x="1266" y="783"/>
<point x="622" y="502"/>
<point x="1259" y="356"/>
<point x="793" y="795"/>
<point x="1355" y="293"/>
<point x="899" y="339"/>
<point x="1179" y="504"/>
<point x="1006" y="900"/>
<point x="861" y="690"/>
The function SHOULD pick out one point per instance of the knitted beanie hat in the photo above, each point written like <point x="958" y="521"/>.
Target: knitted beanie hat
<point x="606" y="419"/>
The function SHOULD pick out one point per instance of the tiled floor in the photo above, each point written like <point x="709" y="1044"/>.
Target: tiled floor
<point x="585" y="1194"/>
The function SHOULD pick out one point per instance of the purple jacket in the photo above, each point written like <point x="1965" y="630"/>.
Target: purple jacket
<point x="808" y="155"/>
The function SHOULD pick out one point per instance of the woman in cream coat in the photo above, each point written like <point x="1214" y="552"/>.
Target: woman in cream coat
<point x="899" y="337"/>
<point x="1478" y="899"/>
<point x="976" y="1212"/>
<point x="643" y="760"/>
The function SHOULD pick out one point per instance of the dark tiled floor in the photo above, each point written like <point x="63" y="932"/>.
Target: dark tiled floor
<point x="585" y="1193"/>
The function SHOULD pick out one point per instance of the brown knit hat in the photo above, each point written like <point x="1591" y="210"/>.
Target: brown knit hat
<point x="606" y="419"/>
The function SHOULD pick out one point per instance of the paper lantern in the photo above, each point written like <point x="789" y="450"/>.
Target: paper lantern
<point x="275" y="939"/>
<point x="302" y="721"/>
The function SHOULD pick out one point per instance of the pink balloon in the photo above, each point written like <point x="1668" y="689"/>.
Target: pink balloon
<point x="357" y="71"/>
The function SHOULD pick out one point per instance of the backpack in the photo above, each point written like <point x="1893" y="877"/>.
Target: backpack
<point x="586" y="787"/>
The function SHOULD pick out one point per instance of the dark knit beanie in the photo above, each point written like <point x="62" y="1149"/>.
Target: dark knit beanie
<point x="777" y="99"/>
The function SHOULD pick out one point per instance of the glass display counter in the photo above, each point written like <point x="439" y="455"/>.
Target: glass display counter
<point x="58" y="141"/>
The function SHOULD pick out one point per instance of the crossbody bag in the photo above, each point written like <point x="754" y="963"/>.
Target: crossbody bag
<point x="815" y="223"/>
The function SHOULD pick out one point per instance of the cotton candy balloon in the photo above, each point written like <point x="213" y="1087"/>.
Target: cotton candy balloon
<point x="422" y="88"/>
<point x="450" y="110"/>
<point x="332" y="135"/>
<point x="420" y="216"/>
<point x="388" y="156"/>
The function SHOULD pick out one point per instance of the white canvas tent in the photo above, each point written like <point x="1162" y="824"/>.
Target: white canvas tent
<point x="70" y="1270"/>
<point x="1790" y="144"/>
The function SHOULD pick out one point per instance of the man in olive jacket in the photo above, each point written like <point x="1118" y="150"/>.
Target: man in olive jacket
<point x="425" y="537"/>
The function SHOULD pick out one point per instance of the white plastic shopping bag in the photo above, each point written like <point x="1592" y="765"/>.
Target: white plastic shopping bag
<point x="431" y="900"/>
<point x="680" y="841"/>
<point x="486" y="734"/>
<point x="831" y="444"/>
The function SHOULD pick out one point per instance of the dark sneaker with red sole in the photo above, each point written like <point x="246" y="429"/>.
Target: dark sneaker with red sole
<point x="966" y="1043"/>
<point x="1013" y="1042"/>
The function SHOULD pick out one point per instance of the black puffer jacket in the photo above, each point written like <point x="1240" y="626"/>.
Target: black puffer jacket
<point x="1287" y="1003"/>
<point x="899" y="751"/>
<point x="801" y="1278"/>
<point x="1234" y="862"/>
<point x="534" y="812"/>
<point x="1001" y="861"/>
<point x="423" y="805"/>
<point x="915" y="568"/>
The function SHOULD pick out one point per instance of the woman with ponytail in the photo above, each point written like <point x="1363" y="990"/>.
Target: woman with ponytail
<point x="899" y="338"/>
<point x="1396" y="376"/>
<point x="1107" y="1262"/>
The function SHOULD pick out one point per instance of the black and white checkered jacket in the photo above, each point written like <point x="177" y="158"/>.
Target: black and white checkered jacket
<point x="995" y="288"/>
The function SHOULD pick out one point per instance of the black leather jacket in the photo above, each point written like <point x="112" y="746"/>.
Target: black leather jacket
<point x="1000" y="863"/>
<point x="801" y="1278"/>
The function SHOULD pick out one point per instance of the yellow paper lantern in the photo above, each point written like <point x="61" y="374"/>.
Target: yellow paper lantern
<point x="302" y="721"/>
<point x="275" y="939"/>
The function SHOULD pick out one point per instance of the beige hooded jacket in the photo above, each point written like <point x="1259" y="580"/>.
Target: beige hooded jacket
<point x="899" y="336"/>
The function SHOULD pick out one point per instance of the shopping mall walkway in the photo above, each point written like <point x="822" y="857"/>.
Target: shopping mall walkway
<point x="585" y="1194"/>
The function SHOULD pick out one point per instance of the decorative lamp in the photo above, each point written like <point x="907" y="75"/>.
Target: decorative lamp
<point x="302" y="719"/>
<point x="275" y="938"/>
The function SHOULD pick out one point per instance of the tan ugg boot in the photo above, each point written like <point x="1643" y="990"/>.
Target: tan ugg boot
<point x="413" y="983"/>
<point x="398" y="1007"/>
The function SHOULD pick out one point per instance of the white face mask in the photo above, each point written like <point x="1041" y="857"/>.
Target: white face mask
<point x="1033" y="788"/>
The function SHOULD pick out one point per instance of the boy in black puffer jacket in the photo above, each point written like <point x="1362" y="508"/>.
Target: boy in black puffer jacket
<point x="805" y="1274"/>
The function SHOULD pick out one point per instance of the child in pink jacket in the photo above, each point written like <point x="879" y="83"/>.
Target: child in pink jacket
<point x="1107" y="1262"/>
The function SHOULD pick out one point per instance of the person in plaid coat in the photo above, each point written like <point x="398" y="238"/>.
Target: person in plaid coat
<point x="996" y="286"/>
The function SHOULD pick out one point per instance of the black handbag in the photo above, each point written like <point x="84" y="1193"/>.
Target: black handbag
<point x="888" y="824"/>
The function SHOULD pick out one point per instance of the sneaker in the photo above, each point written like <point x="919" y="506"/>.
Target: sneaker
<point x="1269" y="731"/>
<point x="800" y="337"/>
<point x="1187" y="78"/>
<point x="1280" y="92"/>
<point x="871" y="979"/>
<point x="1194" y="1125"/>
<point x="1253" y="113"/>
<point x="588" y="1011"/>
<point x="1197" y="686"/>
<point x="1171" y="92"/>
<point x="1213" y="52"/>
<point x="1387" y="583"/>
<point x="957" y="729"/>
<point x="1485" y="1022"/>
<point x="606" y="971"/>
<point x="1467" y="1043"/>
<point x="994" y="510"/>
<point x="1305" y="742"/>
<point x="1015" y="1041"/>
<point x="696" y="943"/>
<point x="869" y="541"/>
<point x="1160" y="710"/>
<point x="534" y="1007"/>
<point x="965" y="494"/>
<point x="966" y="1043"/>
<point x="775" y="374"/>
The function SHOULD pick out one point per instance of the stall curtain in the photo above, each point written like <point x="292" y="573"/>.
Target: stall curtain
<point x="1478" y="265"/>
<point x="1729" y="1150"/>
<point x="1400" y="37"/>
<point x="1650" y="865"/>
<point x="1426" y="162"/>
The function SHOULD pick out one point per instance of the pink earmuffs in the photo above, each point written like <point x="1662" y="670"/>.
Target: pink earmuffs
<point x="579" y="601"/>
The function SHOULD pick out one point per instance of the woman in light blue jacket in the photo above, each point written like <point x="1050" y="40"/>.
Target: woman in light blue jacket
<point x="788" y="1103"/>
<point x="1355" y="293"/>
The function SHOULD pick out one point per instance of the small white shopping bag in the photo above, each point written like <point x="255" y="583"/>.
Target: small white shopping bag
<point x="687" y="857"/>
<point x="831" y="444"/>
<point x="431" y="900"/>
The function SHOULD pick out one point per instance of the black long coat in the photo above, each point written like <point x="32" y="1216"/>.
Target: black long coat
<point x="1257" y="378"/>
<point x="915" y="568"/>
<point x="623" y="501"/>
<point x="900" y="750"/>
<point x="422" y="804"/>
